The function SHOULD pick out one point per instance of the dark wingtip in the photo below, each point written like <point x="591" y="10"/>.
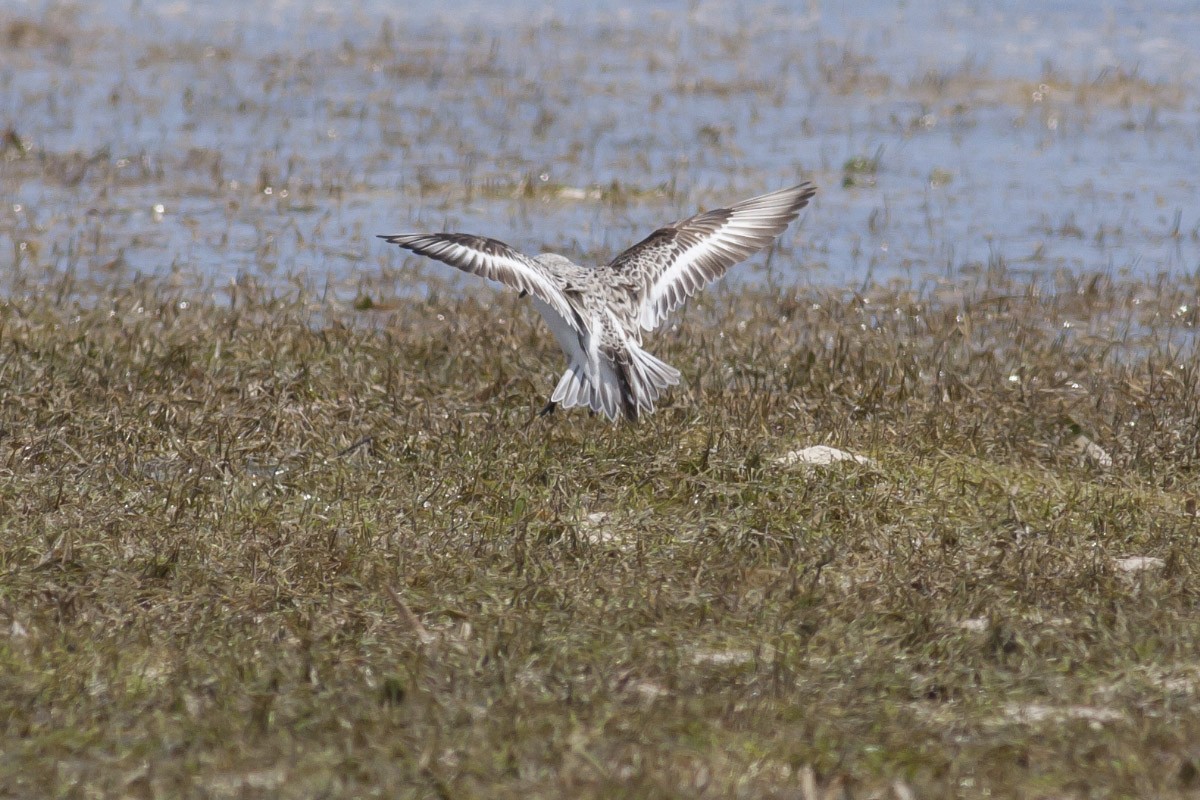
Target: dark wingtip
<point x="805" y="193"/>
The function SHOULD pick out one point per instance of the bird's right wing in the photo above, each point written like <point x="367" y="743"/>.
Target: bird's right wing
<point x="673" y="263"/>
<point x="491" y="259"/>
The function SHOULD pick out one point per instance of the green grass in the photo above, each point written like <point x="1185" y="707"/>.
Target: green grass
<point x="277" y="548"/>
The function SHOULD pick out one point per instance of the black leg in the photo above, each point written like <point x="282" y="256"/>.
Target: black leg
<point x="549" y="409"/>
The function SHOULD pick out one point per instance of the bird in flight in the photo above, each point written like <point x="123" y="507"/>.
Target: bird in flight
<point x="598" y="315"/>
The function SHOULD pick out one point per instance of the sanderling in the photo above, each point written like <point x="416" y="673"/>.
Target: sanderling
<point x="598" y="315"/>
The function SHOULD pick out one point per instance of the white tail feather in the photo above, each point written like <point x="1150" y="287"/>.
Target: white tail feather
<point x="569" y="387"/>
<point x="647" y="378"/>
<point x="577" y="388"/>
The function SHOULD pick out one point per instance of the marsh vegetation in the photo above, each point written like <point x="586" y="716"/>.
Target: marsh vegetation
<point x="277" y="547"/>
<point x="273" y="518"/>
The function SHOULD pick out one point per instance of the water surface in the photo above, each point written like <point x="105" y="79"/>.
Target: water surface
<point x="274" y="139"/>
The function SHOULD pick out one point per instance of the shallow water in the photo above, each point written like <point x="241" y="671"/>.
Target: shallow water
<point x="274" y="139"/>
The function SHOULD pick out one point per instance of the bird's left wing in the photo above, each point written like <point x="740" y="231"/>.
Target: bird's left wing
<point x="491" y="259"/>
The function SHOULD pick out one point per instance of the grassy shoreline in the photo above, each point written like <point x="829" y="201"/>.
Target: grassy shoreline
<point x="276" y="547"/>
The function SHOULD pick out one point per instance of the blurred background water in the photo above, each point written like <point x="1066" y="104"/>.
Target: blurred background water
<point x="209" y="140"/>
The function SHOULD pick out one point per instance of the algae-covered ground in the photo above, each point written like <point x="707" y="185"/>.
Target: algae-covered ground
<point x="262" y="545"/>
<point x="277" y="518"/>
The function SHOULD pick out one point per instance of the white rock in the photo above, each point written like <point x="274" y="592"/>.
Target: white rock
<point x="1032" y="713"/>
<point x="819" y="456"/>
<point x="975" y="624"/>
<point x="1138" y="563"/>
<point x="577" y="193"/>
<point x="722" y="657"/>
<point x="650" y="690"/>
<point x="599" y="528"/>
<point x="1093" y="453"/>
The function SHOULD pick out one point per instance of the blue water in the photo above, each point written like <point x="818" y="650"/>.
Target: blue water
<point x="278" y="137"/>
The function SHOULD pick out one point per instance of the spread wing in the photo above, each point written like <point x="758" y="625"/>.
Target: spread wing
<point x="673" y="263"/>
<point x="491" y="259"/>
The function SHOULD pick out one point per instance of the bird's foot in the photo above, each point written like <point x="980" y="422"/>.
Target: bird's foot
<point x="549" y="409"/>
